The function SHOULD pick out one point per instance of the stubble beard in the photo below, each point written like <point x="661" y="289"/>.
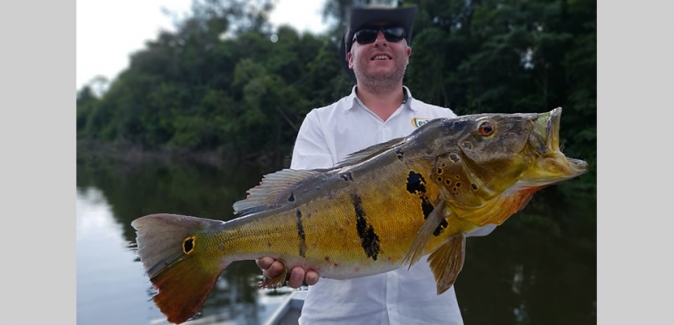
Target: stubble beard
<point x="380" y="82"/>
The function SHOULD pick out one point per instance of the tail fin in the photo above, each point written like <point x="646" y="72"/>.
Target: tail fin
<point x="171" y="248"/>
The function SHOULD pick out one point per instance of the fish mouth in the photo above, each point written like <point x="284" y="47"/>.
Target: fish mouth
<point x="552" y="165"/>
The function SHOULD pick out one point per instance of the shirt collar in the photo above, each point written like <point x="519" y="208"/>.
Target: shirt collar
<point x="352" y="100"/>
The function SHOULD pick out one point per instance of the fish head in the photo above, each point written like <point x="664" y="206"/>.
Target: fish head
<point x="485" y="155"/>
<point x="550" y="165"/>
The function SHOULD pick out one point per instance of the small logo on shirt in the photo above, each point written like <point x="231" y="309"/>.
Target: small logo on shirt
<point x="419" y="121"/>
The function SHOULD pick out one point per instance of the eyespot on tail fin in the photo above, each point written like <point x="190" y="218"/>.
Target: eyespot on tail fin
<point x="172" y="250"/>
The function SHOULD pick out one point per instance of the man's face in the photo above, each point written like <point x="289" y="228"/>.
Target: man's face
<point x="381" y="59"/>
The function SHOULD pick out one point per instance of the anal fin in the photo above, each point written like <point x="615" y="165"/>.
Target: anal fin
<point x="447" y="261"/>
<point x="416" y="250"/>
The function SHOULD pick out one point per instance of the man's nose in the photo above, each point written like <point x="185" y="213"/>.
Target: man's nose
<point x="380" y="37"/>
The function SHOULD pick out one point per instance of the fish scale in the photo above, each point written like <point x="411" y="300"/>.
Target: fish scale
<point x="382" y="208"/>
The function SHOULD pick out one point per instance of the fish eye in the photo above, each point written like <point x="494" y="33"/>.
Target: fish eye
<point x="486" y="128"/>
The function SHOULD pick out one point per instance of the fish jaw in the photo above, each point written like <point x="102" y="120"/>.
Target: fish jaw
<point x="551" y="165"/>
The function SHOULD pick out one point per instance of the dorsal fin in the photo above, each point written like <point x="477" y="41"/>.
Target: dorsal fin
<point x="271" y="189"/>
<point x="369" y="152"/>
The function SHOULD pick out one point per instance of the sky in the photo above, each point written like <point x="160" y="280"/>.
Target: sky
<point x="108" y="31"/>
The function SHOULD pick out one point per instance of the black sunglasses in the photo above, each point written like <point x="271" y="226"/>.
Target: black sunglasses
<point x="369" y="35"/>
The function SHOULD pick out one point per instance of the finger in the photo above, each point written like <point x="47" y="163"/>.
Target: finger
<point x="274" y="270"/>
<point x="311" y="277"/>
<point x="296" y="277"/>
<point x="264" y="262"/>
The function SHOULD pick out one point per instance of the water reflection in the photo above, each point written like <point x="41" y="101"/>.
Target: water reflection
<point x="537" y="268"/>
<point x="112" y="287"/>
<point x="517" y="276"/>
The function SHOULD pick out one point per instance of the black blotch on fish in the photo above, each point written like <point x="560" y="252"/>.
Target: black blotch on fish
<point x="474" y="186"/>
<point x="346" y="176"/>
<point x="300" y="233"/>
<point x="456" y="187"/>
<point x="426" y="206"/>
<point x="399" y="153"/>
<point x="454" y="157"/>
<point x="441" y="227"/>
<point x="416" y="183"/>
<point x="368" y="238"/>
<point x="467" y="145"/>
<point x="292" y="197"/>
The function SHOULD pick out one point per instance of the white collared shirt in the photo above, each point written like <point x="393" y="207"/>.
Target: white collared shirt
<point x="327" y="135"/>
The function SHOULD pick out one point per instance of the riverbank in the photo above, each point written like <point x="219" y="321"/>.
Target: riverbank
<point x="92" y="151"/>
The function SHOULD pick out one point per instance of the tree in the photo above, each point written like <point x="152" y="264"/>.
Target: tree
<point x="226" y="81"/>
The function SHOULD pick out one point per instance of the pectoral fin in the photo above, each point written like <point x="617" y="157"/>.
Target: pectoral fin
<point x="447" y="261"/>
<point x="416" y="250"/>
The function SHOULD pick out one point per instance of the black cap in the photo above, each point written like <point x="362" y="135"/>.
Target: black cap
<point x="362" y="16"/>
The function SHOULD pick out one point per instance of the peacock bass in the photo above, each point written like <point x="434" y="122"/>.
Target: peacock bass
<point x="381" y="208"/>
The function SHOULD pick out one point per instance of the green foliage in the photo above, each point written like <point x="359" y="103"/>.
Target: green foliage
<point x="225" y="81"/>
<point x="511" y="56"/>
<point x="86" y="104"/>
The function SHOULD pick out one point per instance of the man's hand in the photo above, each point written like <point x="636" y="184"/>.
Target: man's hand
<point x="271" y="268"/>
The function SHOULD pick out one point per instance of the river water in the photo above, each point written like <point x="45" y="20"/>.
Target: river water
<point x="539" y="267"/>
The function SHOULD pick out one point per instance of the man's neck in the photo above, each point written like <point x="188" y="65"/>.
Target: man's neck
<point x="383" y="104"/>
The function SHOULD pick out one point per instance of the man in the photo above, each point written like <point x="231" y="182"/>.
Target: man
<point x="376" y="53"/>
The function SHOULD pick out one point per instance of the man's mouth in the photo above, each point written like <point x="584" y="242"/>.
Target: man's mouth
<point x="380" y="57"/>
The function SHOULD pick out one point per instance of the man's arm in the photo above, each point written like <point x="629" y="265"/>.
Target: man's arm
<point x="311" y="151"/>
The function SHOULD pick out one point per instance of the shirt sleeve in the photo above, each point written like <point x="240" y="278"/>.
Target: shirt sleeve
<point x="311" y="150"/>
<point x="482" y="231"/>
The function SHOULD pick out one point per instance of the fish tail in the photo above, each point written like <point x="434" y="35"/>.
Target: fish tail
<point x="174" y="250"/>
